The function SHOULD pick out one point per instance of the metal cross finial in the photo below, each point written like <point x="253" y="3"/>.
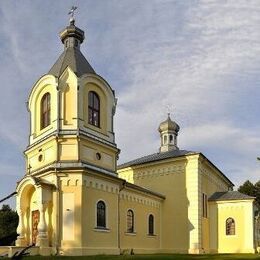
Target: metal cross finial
<point x="71" y="13"/>
<point x="169" y="109"/>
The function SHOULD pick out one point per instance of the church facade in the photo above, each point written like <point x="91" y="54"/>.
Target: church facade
<point x="75" y="200"/>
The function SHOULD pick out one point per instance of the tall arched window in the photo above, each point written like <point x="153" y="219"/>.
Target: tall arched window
<point x="101" y="214"/>
<point x="230" y="227"/>
<point x="45" y="110"/>
<point x="130" y="221"/>
<point x="93" y="109"/>
<point x="150" y="225"/>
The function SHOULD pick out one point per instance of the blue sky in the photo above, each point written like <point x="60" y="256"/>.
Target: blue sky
<point x="200" y="58"/>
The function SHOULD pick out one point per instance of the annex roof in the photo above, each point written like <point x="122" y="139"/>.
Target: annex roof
<point x="155" y="157"/>
<point x="167" y="155"/>
<point x="229" y="195"/>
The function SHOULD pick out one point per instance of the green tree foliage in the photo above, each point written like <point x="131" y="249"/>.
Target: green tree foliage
<point x="252" y="190"/>
<point x="8" y="221"/>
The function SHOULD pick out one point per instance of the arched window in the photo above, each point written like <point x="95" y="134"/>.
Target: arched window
<point x="93" y="109"/>
<point x="130" y="221"/>
<point x="171" y="138"/>
<point x="101" y="214"/>
<point x="230" y="227"/>
<point x="45" y="110"/>
<point x="150" y="225"/>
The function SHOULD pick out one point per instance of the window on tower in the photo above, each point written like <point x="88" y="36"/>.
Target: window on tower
<point x="45" y="110"/>
<point x="93" y="109"/>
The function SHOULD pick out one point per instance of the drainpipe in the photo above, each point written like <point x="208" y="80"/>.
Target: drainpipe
<point x="57" y="177"/>
<point x="123" y="185"/>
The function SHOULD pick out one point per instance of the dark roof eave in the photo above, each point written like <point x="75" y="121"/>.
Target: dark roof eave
<point x="129" y="164"/>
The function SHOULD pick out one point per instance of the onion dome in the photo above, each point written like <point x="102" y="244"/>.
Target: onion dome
<point x="169" y="125"/>
<point x="168" y="131"/>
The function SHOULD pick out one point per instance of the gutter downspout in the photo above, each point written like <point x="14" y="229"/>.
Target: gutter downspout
<point x="123" y="185"/>
<point x="57" y="177"/>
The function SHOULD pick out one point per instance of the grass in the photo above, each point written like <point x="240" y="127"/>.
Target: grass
<point x="154" y="257"/>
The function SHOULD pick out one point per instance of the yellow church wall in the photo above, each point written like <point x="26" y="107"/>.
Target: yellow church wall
<point x="142" y="206"/>
<point x="103" y="107"/>
<point x="213" y="227"/>
<point x="182" y="180"/>
<point x="68" y="85"/>
<point x="168" y="178"/>
<point x="89" y="150"/>
<point x="107" y="106"/>
<point x="41" y="155"/>
<point x="100" y="240"/>
<point x="193" y="188"/>
<point x="46" y="84"/>
<point x="211" y="182"/>
<point x="242" y="213"/>
<point x="71" y="194"/>
<point x="68" y="149"/>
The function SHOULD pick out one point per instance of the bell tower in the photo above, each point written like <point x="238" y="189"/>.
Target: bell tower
<point x="71" y="146"/>
<point x="72" y="110"/>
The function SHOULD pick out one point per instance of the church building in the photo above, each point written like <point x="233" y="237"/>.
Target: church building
<point x="75" y="200"/>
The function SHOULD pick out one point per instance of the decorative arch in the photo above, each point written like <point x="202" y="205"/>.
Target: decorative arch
<point x="47" y="83"/>
<point x="107" y="103"/>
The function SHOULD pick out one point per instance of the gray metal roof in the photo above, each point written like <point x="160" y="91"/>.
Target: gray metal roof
<point x="155" y="157"/>
<point x="229" y="195"/>
<point x="73" y="58"/>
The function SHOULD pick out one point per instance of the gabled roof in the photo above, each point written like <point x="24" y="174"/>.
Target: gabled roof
<point x="167" y="155"/>
<point x="73" y="58"/>
<point x="229" y="195"/>
<point x="155" y="157"/>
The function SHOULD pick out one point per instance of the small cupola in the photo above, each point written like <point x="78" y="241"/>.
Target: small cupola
<point x="72" y="36"/>
<point x="168" y="130"/>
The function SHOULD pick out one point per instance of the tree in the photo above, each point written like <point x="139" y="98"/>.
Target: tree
<point x="251" y="189"/>
<point x="257" y="186"/>
<point x="8" y="225"/>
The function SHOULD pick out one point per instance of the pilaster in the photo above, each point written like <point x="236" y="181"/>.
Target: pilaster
<point x="193" y="186"/>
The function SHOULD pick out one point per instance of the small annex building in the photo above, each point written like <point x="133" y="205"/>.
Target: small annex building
<point x="75" y="200"/>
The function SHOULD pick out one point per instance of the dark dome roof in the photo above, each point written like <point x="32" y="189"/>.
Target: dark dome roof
<point x="168" y="124"/>
<point x="73" y="58"/>
<point x="71" y="37"/>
